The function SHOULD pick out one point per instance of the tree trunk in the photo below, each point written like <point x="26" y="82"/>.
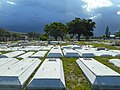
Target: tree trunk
<point x="62" y="38"/>
<point x="55" y="38"/>
<point x="86" y="38"/>
<point x="79" y="37"/>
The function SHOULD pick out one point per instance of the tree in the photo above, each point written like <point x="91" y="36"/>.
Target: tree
<point x="56" y="29"/>
<point x="88" y="28"/>
<point x="75" y="27"/>
<point x="81" y="27"/>
<point x="9" y="35"/>
<point x="33" y="35"/>
<point x="30" y="35"/>
<point x="16" y="36"/>
<point x="107" y="32"/>
<point x="117" y="34"/>
<point x="4" y="33"/>
<point x="43" y="37"/>
<point x="37" y="35"/>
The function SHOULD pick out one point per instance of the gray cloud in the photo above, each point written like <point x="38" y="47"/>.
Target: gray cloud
<point x="32" y="15"/>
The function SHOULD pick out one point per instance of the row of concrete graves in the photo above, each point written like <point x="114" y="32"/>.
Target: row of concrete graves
<point x="63" y="51"/>
<point x="14" y="74"/>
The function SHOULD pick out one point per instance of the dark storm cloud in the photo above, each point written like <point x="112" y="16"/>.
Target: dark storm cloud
<point x="109" y="18"/>
<point x="38" y="12"/>
<point x="32" y="15"/>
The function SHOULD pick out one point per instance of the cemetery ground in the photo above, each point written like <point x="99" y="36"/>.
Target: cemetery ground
<point x="74" y="77"/>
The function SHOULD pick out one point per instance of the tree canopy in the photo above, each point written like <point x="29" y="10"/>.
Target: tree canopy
<point x="78" y="26"/>
<point x="117" y="34"/>
<point x="33" y="35"/>
<point x="107" y="33"/>
<point x="56" y="29"/>
<point x="6" y="33"/>
<point x="81" y="27"/>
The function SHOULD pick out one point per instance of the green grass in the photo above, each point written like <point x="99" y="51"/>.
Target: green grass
<point x="82" y="43"/>
<point x="20" y="58"/>
<point x="106" y="46"/>
<point x="74" y="78"/>
<point x="98" y="45"/>
<point x="3" y="52"/>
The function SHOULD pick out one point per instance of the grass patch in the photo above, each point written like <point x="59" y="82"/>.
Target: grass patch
<point x="42" y="59"/>
<point x="98" y="45"/>
<point x="20" y="58"/>
<point x="73" y="75"/>
<point x="106" y="46"/>
<point x="81" y="43"/>
<point x="75" y="79"/>
<point x="4" y="52"/>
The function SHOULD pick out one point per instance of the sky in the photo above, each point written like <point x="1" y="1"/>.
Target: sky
<point x="31" y="15"/>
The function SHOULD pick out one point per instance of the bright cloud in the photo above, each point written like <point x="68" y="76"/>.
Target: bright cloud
<point x="94" y="4"/>
<point x="12" y="3"/>
<point x="95" y="16"/>
<point x="118" y="12"/>
<point x="118" y="5"/>
<point x="0" y="4"/>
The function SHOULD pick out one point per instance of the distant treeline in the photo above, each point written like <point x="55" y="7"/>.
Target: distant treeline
<point x="77" y="27"/>
<point x="6" y="35"/>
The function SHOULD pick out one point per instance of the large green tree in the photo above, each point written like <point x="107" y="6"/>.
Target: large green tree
<point x="9" y="35"/>
<point x="89" y="26"/>
<point x="56" y="29"/>
<point x="117" y="34"/>
<point x="107" y="32"/>
<point x="44" y="37"/>
<point x="81" y="27"/>
<point x="4" y="33"/>
<point x="16" y="35"/>
<point x="75" y="27"/>
<point x="33" y="35"/>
